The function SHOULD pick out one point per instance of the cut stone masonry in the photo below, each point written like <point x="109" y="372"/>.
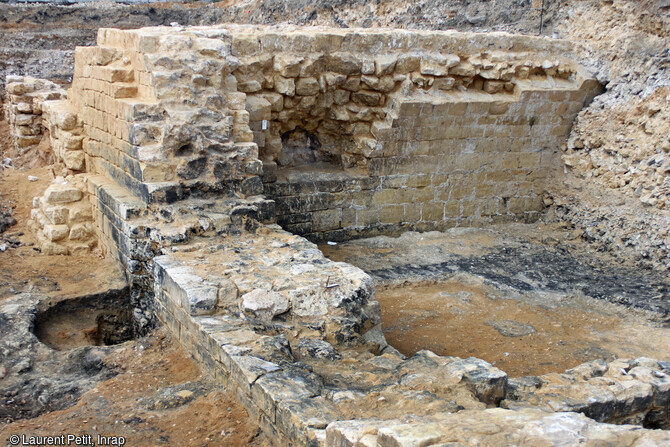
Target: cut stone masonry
<point x="62" y="218"/>
<point x="198" y="141"/>
<point x="26" y="99"/>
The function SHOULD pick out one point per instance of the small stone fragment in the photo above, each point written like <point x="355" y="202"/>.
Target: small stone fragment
<point x="264" y="304"/>
<point x="511" y="328"/>
<point x="317" y="349"/>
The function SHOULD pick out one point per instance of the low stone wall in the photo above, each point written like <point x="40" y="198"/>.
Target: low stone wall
<point x="296" y="337"/>
<point x="310" y="377"/>
<point x="26" y="97"/>
<point x="62" y="219"/>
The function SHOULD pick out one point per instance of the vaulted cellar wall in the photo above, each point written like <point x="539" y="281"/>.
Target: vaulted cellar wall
<point x="465" y="159"/>
<point x="382" y="132"/>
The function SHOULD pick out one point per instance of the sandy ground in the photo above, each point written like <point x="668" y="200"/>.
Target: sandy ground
<point x="113" y="408"/>
<point x="550" y="326"/>
<point x="453" y="318"/>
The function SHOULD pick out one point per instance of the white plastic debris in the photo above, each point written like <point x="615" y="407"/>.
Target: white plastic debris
<point x="3" y="247"/>
<point x="332" y="243"/>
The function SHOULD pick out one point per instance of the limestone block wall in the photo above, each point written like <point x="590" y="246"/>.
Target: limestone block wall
<point x="467" y="159"/>
<point x="428" y="130"/>
<point x="37" y="107"/>
<point x="62" y="218"/>
<point x="155" y="114"/>
<point x="65" y="134"/>
<point x="26" y="97"/>
<point x="432" y="130"/>
<point x="167" y="110"/>
<point x="110" y="99"/>
<point x="337" y="88"/>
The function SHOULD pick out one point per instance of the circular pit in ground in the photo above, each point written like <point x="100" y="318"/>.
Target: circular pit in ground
<point x="98" y="320"/>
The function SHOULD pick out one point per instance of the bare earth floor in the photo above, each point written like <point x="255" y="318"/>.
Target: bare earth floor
<point x="530" y="299"/>
<point x="146" y="405"/>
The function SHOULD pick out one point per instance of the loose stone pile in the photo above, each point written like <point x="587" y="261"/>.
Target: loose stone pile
<point x="636" y="161"/>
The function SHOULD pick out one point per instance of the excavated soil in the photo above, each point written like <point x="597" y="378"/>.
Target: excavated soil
<point x="146" y="405"/>
<point x="530" y="299"/>
<point x="460" y="319"/>
<point x="92" y="320"/>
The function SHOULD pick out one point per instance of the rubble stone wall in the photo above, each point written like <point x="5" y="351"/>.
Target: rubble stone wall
<point x="62" y="218"/>
<point x="431" y="130"/>
<point x="65" y="133"/>
<point x="26" y="97"/>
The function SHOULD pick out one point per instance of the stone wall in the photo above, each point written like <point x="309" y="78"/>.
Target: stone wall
<point x="156" y="117"/>
<point x="344" y="87"/>
<point x="467" y="159"/>
<point x="65" y="133"/>
<point x="426" y="140"/>
<point x="62" y="218"/>
<point x="429" y="130"/>
<point x="26" y="97"/>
